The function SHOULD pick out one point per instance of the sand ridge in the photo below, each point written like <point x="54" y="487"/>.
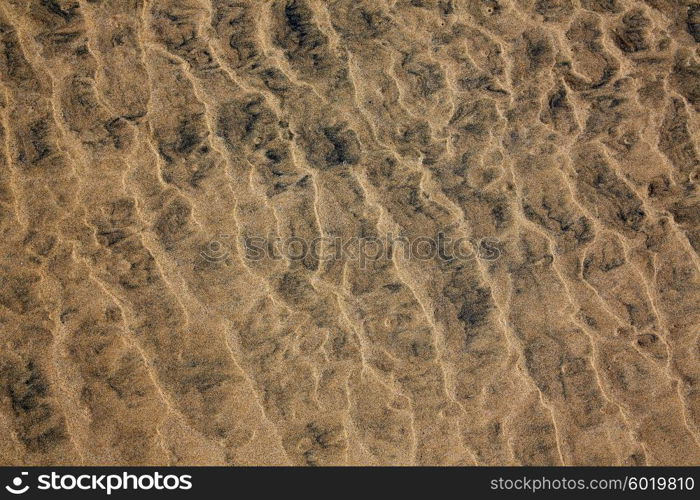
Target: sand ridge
<point x="145" y="143"/>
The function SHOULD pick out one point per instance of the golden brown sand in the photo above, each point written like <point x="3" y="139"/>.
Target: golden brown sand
<point x="144" y="142"/>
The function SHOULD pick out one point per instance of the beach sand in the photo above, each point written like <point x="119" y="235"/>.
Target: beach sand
<point x="176" y="175"/>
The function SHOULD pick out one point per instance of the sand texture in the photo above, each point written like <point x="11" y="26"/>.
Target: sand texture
<point x="144" y="144"/>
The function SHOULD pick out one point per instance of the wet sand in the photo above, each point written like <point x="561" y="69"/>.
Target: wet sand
<point x="144" y="144"/>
